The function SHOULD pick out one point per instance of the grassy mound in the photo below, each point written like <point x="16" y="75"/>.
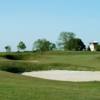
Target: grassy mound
<point x="21" y="62"/>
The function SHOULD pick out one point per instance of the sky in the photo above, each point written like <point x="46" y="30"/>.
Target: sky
<point x="29" y="20"/>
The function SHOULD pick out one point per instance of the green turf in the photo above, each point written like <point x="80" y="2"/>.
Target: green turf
<point x="50" y="60"/>
<point x="17" y="87"/>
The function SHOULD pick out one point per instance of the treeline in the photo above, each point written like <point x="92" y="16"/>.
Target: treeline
<point x="66" y="41"/>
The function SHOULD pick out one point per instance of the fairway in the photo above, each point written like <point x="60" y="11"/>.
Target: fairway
<point x="17" y="87"/>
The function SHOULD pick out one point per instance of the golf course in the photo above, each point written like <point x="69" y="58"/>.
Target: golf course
<point x="49" y="50"/>
<point x="14" y="86"/>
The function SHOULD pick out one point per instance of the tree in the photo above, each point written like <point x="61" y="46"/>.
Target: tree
<point x="76" y="44"/>
<point x="52" y="46"/>
<point x="21" y="46"/>
<point x="8" y="48"/>
<point x="65" y="38"/>
<point x="98" y="47"/>
<point x="43" y="45"/>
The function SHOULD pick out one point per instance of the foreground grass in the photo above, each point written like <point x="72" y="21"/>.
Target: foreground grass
<point x="17" y="87"/>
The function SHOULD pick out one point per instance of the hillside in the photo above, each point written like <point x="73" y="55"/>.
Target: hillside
<point x="21" y="62"/>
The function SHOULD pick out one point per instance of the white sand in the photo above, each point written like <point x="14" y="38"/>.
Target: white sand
<point x="65" y="75"/>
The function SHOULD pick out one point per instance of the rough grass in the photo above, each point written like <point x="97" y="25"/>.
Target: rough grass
<point x="17" y="87"/>
<point x="21" y="62"/>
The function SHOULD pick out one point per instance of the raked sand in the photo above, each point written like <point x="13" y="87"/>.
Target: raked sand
<point x="65" y="75"/>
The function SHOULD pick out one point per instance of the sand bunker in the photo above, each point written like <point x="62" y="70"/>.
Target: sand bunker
<point x="65" y="75"/>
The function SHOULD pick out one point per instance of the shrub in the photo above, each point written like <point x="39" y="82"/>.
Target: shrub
<point x="13" y="69"/>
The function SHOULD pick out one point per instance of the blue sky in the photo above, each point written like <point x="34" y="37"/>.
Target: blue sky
<point x="28" y="20"/>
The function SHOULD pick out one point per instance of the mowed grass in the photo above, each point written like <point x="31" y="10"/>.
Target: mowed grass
<point x="17" y="87"/>
<point x="21" y="62"/>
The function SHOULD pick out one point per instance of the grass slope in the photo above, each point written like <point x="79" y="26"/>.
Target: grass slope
<point x="17" y="87"/>
<point x="20" y="62"/>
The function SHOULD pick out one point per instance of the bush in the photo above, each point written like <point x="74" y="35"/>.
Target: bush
<point x="11" y="57"/>
<point x="13" y="69"/>
<point x="19" y="67"/>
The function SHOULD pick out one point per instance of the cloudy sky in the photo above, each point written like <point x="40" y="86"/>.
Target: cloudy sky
<point x="28" y="20"/>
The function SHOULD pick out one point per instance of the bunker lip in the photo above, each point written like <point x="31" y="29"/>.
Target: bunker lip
<point x="66" y="75"/>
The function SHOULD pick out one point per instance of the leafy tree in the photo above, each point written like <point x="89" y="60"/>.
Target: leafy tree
<point x="52" y="46"/>
<point x="43" y="45"/>
<point x="98" y="47"/>
<point x="88" y="48"/>
<point x="76" y="44"/>
<point x="8" y="48"/>
<point x="21" y="46"/>
<point x="65" y="38"/>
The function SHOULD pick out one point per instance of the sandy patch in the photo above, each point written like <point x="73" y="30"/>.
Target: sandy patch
<point x="31" y="61"/>
<point x="35" y="61"/>
<point x="65" y="75"/>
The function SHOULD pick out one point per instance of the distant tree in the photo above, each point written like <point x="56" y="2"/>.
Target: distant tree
<point x="98" y="47"/>
<point x="21" y="46"/>
<point x="43" y="45"/>
<point x="64" y="38"/>
<point x="88" y="48"/>
<point x="8" y="48"/>
<point x="76" y="44"/>
<point x="52" y="46"/>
